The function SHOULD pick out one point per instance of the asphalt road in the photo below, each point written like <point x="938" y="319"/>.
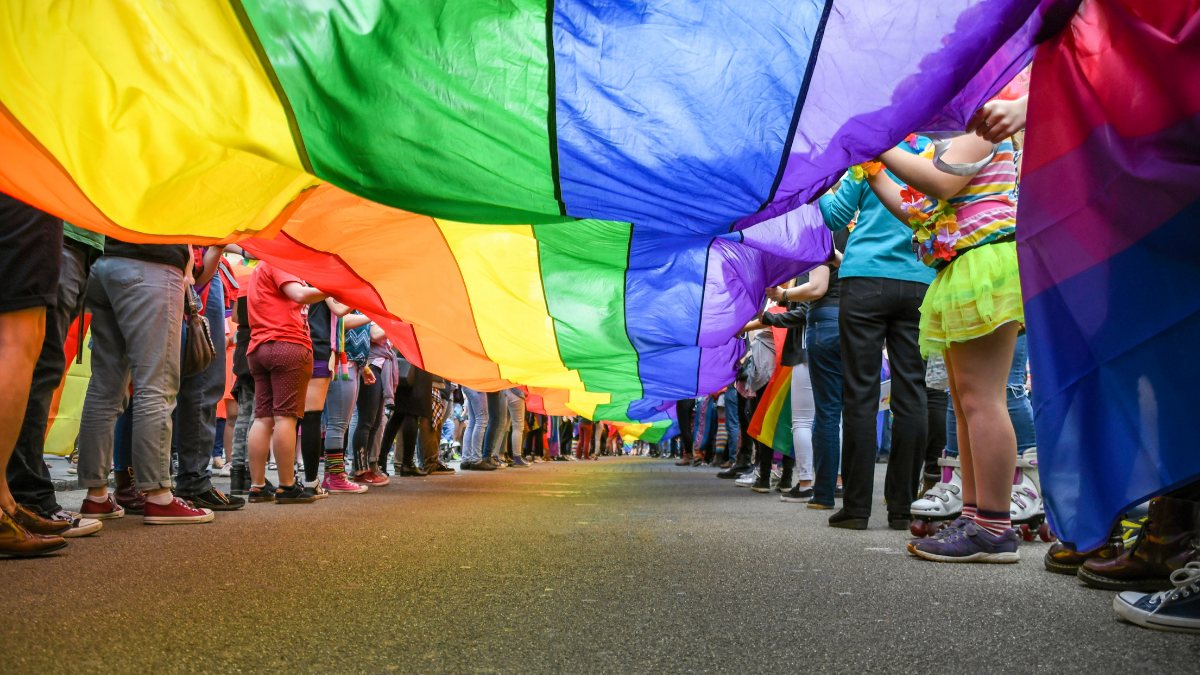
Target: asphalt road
<point x="615" y="566"/>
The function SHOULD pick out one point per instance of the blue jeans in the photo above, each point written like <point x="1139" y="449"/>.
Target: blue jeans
<point x="196" y="409"/>
<point x="825" y="369"/>
<point x="733" y="427"/>
<point x="1020" y="410"/>
<point x="477" y="422"/>
<point x="496" y="435"/>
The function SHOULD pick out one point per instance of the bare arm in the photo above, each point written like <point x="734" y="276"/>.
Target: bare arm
<point x="754" y="324"/>
<point x="355" y="320"/>
<point x="377" y="333"/>
<point x="212" y="257"/>
<point x="814" y="289"/>
<point x="301" y="294"/>
<point x="889" y="195"/>
<point x="920" y="173"/>
<point x="338" y="308"/>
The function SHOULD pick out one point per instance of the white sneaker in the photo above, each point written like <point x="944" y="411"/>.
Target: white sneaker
<point x="747" y="480"/>
<point x="224" y="472"/>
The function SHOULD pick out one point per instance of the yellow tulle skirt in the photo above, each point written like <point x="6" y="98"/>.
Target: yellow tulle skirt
<point x="972" y="297"/>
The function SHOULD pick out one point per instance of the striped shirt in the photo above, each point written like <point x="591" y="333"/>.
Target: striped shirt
<point x="985" y="208"/>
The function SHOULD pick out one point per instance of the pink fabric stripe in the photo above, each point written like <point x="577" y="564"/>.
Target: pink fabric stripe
<point x="1068" y="207"/>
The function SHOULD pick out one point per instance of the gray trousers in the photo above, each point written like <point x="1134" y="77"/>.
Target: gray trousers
<point x="137" y="310"/>
<point x="196" y="412"/>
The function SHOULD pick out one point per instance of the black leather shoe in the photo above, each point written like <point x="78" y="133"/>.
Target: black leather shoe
<point x="409" y="470"/>
<point x="213" y="499"/>
<point x="899" y="522"/>
<point x="847" y="521"/>
<point x="734" y="471"/>
<point x="239" y="480"/>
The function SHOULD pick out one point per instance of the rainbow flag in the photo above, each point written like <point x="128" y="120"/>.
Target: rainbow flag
<point x="1109" y="245"/>
<point x="324" y="129"/>
<point x="772" y="421"/>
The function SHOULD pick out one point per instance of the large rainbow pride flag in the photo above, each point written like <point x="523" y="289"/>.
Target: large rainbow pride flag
<point x="1109" y="244"/>
<point x="603" y="189"/>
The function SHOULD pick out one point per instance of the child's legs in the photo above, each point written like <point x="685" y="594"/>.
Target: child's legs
<point x="283" y="441"/>
<point x="987" y="443"/>
<point x="231" y="415"/>
<point x="258" y="442"/>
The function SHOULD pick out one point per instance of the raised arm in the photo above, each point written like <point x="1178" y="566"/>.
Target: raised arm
<point x="920" y="173"/>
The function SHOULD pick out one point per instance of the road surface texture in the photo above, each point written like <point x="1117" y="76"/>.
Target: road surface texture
<point x="616" y="566"/>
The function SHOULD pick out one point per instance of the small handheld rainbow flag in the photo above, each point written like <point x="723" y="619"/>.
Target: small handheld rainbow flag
<point x="772" y="421"/>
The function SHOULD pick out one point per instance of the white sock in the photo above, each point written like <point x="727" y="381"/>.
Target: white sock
<point x="162" y="499"/>
<point x="311" y="483"/>
<point x="99" y="500"/>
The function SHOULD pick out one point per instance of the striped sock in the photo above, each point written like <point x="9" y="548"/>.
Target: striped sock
<point x="334" y="463"/>
<point x="995" y="522"/>
<point x="970" y="511"/>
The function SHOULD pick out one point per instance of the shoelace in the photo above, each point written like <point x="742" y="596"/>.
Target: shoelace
<point x="1186" y="580"/>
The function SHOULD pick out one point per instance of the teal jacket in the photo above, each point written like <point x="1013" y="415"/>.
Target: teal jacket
<point x="880" y="245"/>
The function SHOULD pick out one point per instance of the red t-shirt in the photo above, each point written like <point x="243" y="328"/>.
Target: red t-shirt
<point x="273" y="315"/>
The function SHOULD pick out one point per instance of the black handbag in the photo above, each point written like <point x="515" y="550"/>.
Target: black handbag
<point x="198" y="349"/>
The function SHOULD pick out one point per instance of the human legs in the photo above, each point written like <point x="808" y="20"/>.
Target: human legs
<point x="862" y="326"/>
<point x="281" y="372"/>
<point x="987" y="443"/>
<point x="516" y="413"/>
<point x="477" y="422"/>
<point x="497" y="426"/>
<point x="339" y="408"/>
<point x="370" y="407"/>
<point x="28" y="478"/>
<point x="1020" y="410"/>
<point x="196" y="409"/>
<point x="825" y="371"/>
<point x="21" y="335"/>
<point x="685" y="410"/>
<point x="910" y="413"/>
<point x="803" y="413"/>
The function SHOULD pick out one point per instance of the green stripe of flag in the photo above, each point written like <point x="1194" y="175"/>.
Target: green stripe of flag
<point x="451" y="95"/>
<point x="583" y="274"/>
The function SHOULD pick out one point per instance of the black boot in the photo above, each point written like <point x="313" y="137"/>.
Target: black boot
<point x="239" y="480"/>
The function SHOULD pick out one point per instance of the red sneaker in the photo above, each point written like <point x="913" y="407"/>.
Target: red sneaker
<point x="337" y="484"/>
<point x="177" y="512"/>
<point x="371" y="478"/>
<point x="101" y="510"/>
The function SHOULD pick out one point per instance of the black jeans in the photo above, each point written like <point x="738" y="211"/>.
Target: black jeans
<point x="685" y="410"/>
<point x="938" y="402"/>
<point x="873" y="310"/>
<point x="370" y="412"/>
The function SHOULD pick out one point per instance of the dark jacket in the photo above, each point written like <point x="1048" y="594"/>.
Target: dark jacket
<point x="795" y="320"/>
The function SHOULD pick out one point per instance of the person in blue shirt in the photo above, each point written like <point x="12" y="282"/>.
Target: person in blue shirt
<point x="882" y="285"/>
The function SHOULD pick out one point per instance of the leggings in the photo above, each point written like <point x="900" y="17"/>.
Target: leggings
<point x="804" y="411"/>
<point x="339" y="408"/>
<point x="367" y="433"/>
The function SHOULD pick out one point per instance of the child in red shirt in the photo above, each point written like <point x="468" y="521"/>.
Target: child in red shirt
<point x="280" y="356"/>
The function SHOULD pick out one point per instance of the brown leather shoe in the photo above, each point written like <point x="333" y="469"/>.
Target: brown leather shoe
<point x="128" y="498"/>
<point x="686" y="460"/>
<point x="1062" y="560"/>
<point x="35" y="524"/>
<point x="1166" y="543"/>
<point x="18" y="542"/>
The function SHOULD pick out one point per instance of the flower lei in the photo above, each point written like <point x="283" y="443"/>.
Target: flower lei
<point x="861" y="171"/>
<point x="934" y="224"/>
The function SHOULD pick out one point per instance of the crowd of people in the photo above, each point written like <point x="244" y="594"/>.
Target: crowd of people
<point x="925" y="270"/>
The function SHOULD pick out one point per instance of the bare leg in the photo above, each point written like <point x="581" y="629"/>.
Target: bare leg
<point x="978" y="383"/>
<point x="283" y="441"/>
<point x="21" y="336"/>
<point x="258" y="447"/>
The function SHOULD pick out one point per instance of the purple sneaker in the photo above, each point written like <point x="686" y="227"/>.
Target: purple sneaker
<point x="970" y="543"/>
<point x="941" y="534"/>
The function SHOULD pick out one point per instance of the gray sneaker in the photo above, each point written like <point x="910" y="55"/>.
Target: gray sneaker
<point x="970" y="543"/>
